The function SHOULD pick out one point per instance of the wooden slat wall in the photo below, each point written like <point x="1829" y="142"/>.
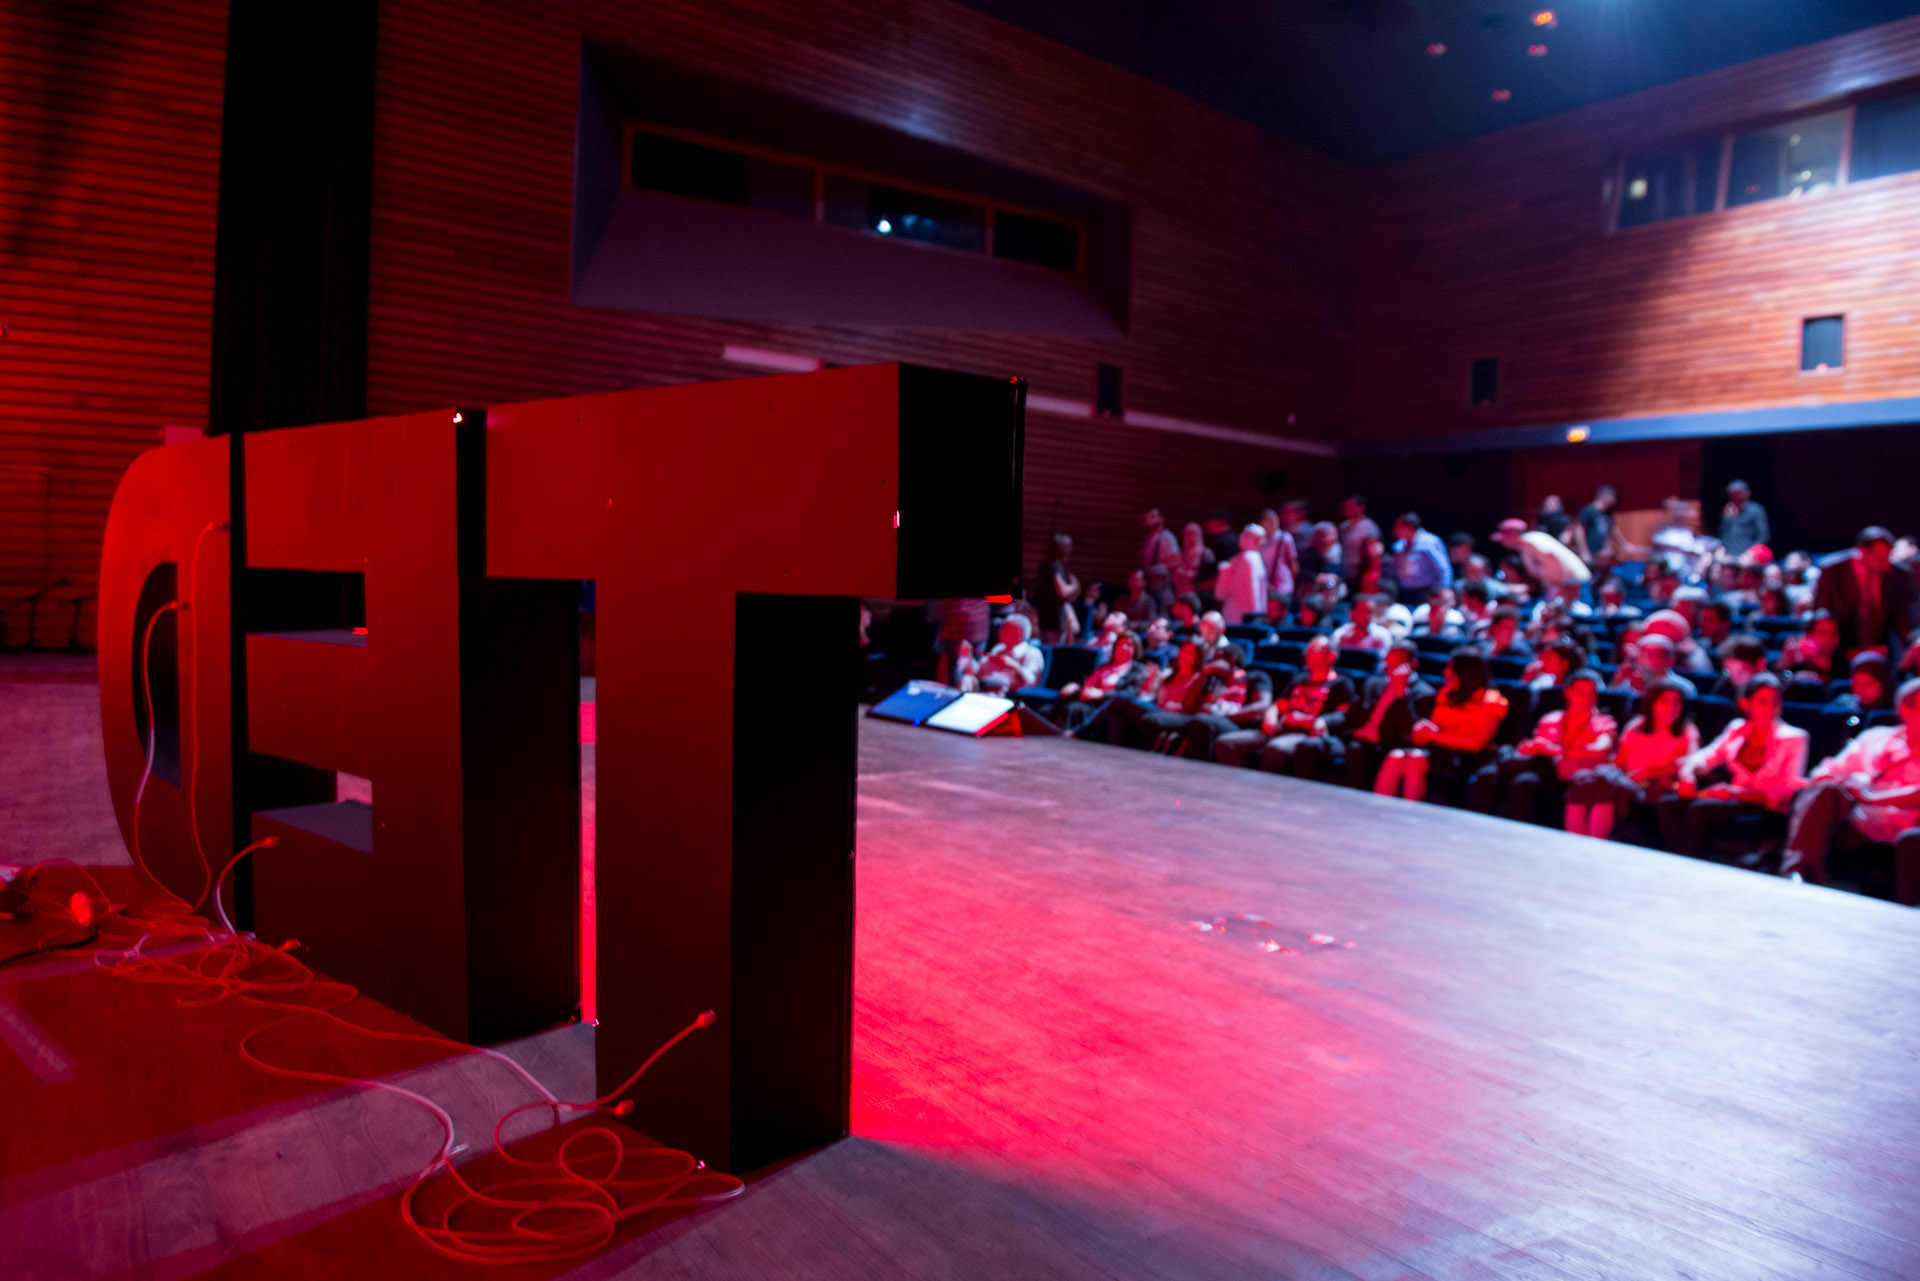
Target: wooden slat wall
<point x="1496" y="247"/>
<point x="1242" y="300"/>
<point x="109" y="164"/>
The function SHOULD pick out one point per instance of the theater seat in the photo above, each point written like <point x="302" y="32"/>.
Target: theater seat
<point x="1281" y="674"/>
<point x="1066" y="665"/>
<point x="1250" y="635"/>
<point x="1292" y="653"/>
<point x="1711" y="715"/>
<point x="1507" y="667"/>
<point x="1520" y="717"/>
<point x="1357" y="662"/>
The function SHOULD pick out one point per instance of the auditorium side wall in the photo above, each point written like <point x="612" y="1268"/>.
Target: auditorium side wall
<point x="1242" y="291"/>
<point x="1498" y="247"/>
<point x="109" y="173"/>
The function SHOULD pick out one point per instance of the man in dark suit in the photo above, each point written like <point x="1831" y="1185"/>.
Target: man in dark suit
<point x="1869" y="597"/>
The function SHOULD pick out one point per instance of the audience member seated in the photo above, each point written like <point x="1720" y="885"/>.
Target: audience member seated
<point x="1160" y="586"/>
<point x="1370" y="578"/>
<point x="1297" y="728"/>
<point x="1715" y="624"/>
<point x="1121" y="721"/>
<point x="1476" y="605"/>
<point x="1689" y="658"/>
<point x="1741" y="659"/>
<point x="1774" y="602"/>
<point x="1138" y="604"/>
<point x="1870" y="598"/>
<point x="1014" y="663"/>
<point x="1438" y="617"/>
<point x="1316" y="610"/>
<point x="1751" y="771"/>
<point x="1564" y="600"/>
<point x="1317" y="690"/>
<point x="1220" y="676"/>
<point x="1243" y="580"/>
<point x="1816" y="654"/>
<point x="1382" y="717"/>
<point x="1121" y="676"/>
<point x="1869" y="686"/>
<point x="1453" y="743"/>
<point x="1533" y="773"/>
<point x="1553" y="664"/>
<point x="1645" y="766"/>
<point x="1503" y="638"/>
<point x="1647" y="660"/>
<point x="1613" y="601"/>
<point x="1658" y="582"/>
<point x="1868" y="794"/>
<point x="1243" y="700"/>
<point x="1361" y="631"/>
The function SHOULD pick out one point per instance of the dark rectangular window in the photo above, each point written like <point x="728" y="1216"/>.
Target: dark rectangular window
<point x="1045" y="242"/>
<point x="1656" y="189"/>
<point x="1822" y="345"/>
<point x="1483" y="385"/>
<point x="934" y="220"/>
<point x="1107" y="392"/>
<point x="1706" y="176"/>
<point x="1886" y="138"/>
<point x="1794" y="159"/>
<point x="681" y="168"/>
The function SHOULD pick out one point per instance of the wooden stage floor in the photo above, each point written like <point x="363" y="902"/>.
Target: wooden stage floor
<point x="1522" y="1054"/>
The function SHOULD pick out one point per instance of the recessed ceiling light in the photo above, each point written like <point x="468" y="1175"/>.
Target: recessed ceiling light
<point x="1536" y="51"/>
<point x="1501" y="95"/>
<point x="1545" y="18"/>
<point x="1435" y="49"/>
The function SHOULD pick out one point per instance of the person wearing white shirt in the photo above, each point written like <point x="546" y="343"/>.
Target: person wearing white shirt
<point x="1450" y="620"/>
<point x="1361" y="632"/>
<point x="1243" y="580"/>
<point x="1869" y="793"/>
<point x="1764" y="760"/>
<point x="1548" y="560"/>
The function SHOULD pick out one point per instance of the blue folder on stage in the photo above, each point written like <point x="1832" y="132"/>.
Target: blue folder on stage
<point x="915" y="701"/>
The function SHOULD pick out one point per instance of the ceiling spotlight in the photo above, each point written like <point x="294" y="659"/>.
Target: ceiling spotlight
<point x="1536" y="51"/>
<point x="1435" y="49"/>
<point x="883" y="227"/>
<point x="1545" y="18"/>
<point x="1578" y="435"/>
<point x="1501" y="95"/>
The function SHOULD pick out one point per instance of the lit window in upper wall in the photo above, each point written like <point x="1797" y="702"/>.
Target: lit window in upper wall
<point x="1886" y="137"/>
<point x="1656" y="189"/>
<point x="1798" y="158"/>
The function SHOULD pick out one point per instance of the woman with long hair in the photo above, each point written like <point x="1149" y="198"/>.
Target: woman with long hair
<point x="1196" y="564"/>
<point x="1456" y="740"/>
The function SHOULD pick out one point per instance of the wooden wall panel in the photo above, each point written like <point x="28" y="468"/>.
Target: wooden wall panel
<point x="109" y="164"/>
<point x="1497" y="247"/>
<point x="1242" y="289"/>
